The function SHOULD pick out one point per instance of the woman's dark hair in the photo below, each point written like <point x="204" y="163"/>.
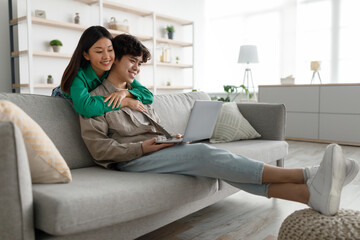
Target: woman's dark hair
<point x="77" y="61"/>
<point x="125" y="44"/>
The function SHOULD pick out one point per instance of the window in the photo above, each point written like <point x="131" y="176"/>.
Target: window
<point x="289" y="35"/>
<point x="349" y="41"/>
<point x="313" y="41"/>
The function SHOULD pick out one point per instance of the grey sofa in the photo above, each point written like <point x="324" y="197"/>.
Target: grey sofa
<point x="106" y="204"/>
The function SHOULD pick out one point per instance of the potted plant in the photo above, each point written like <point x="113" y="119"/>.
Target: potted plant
<point x="177" y="59"/>
<point x="56" y="45"/>
<point x="233" y="90"/>
<point x="170" y="30"/>
<point x="50" y="79"/>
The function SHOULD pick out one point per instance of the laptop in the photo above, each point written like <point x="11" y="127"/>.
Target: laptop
<point x="201" y="122"/>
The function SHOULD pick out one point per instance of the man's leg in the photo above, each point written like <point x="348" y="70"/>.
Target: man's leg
<point x="206" y="161"/>
<point x="274" y="174"/>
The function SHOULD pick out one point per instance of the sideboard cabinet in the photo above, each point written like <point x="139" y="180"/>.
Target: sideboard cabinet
<point x="321" y="113"/>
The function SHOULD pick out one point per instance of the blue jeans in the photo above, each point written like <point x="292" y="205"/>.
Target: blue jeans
<point x="205" y="161"/>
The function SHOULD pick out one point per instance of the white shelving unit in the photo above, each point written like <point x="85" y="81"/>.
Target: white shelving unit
<point x="31" y="84"/>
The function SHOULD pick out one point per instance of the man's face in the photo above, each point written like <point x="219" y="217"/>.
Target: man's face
<point x="127" y="67"/>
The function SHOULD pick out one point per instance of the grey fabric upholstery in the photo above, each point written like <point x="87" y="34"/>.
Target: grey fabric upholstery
<point x="268" y="119"/>
<point x="98" y="197"/>
<point x="58" y="119"/>
<point x="16" y="212"/>
<point x="174" y="110"/>
<point x="138" y="227"/>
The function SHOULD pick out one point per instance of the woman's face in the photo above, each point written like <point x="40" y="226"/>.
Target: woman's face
<point x="101" y="56"/>
<point x="127" y="67"/>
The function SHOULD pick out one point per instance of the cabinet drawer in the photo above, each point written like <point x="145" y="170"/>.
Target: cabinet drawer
<point x="295" y="98"/>
<point x="340" y="99"/>
<point x="302" y="125"/>
<point x="340" y="127"/>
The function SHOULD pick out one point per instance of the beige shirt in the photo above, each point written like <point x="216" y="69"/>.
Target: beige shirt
<point x="117" y="135"/>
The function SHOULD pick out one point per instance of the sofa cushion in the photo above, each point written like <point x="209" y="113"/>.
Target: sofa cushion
<point x="232" y="126"/>
<point x="174" y="110"/>
<point x="46" y="163"/>
<point x="60" y="122"/>
<point x="97" y="197"/>
<point x="267" y="151"/>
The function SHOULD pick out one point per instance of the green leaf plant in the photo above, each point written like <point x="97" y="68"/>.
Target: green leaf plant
<point x="231" y="89"/>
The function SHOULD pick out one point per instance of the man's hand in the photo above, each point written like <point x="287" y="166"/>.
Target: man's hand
<point x="149" y="146"/>
<point x="116" y="98"/>
<point x="179" y="135"/>
<point x="133" y="104"/>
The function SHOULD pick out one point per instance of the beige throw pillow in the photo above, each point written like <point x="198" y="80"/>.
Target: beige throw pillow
<point x="46" y="163"/>
<point x="232" y="126"/>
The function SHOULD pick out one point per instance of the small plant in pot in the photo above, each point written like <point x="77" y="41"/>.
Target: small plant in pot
<point x="233" y="90"/>
<point x="56" y="45"/>
<point x="50" y="79"/>
<point x="170" y="30"/>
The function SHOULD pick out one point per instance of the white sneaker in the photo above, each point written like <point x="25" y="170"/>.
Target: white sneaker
<point x="325" y="187"/>
<point x="352" y="169"/>
<point x="310" y="172"/>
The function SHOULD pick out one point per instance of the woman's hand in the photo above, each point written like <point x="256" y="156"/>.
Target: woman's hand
<point x="133" y="104"/>
<point x="116" y="98"/>
<point x="149" y="146"/>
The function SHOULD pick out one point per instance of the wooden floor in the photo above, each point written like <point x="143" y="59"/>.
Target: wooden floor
<point x="246" y="216"/>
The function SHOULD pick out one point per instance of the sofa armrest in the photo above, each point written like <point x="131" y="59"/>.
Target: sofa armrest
<point x="16" y="201"/>
<point x="267" y="119"/>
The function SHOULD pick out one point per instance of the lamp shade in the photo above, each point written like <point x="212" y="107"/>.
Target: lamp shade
<point x="248" y="54"/>
<point x="315" y="65"/>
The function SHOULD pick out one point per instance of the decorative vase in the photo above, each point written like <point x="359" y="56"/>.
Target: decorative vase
<point x="112" y="23"/>
<point x="56" y="48"/>
<point x="170" y="35"/>
<point x="77" y="18"/>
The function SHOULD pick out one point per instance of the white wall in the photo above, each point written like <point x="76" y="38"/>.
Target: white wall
<point x="187" y="9"/>
<point x="5" y="81"/>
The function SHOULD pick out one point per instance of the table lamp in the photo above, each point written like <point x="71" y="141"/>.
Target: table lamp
<point x="248" y="54"/>
<point x="315" y="66"/>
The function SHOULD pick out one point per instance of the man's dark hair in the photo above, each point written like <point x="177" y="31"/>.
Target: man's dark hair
<point x="125" y="44"/>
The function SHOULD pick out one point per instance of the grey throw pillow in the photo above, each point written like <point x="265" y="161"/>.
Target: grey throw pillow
<point x="232" y="126"/>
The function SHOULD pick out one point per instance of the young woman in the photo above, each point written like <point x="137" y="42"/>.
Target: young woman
<point x="125" y="140"/>
<point x="88" y="67"/>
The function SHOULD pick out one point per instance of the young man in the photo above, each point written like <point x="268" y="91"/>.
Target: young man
<point x="125" y="140"/>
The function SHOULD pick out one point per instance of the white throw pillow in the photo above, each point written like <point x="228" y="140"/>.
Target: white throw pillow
<point x="46" y="163"/>
<point x="232" y="126"/>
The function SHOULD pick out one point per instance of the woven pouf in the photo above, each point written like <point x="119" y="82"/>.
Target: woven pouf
<point x="309" y="224"/>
